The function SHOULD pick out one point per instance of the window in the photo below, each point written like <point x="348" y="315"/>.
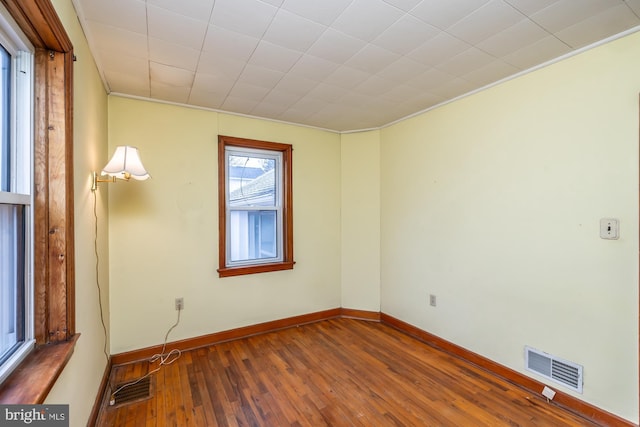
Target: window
<point x="255" y="206"/>
<point x="16" y="147"/>
<point x="52" y="309"/>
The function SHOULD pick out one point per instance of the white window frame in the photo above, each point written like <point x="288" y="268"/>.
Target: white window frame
<point x="277" y="208"/>
<point x="22" y="164"/>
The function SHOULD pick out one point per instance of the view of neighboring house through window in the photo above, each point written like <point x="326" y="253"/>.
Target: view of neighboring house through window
<point x="255" y="206"/>
<point x="16" y="83"/>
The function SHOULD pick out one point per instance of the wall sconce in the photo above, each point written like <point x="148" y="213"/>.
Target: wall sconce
<point x="124" y="164"/>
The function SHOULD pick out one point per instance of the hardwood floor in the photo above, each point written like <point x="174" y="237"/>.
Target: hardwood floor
<point x="339" y="372"/>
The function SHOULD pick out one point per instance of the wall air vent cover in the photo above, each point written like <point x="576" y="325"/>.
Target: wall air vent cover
<point x="563" y="372"/>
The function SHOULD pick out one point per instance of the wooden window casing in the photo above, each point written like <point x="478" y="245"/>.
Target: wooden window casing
<point x="54" y="272"/>
<point x="287" y="208"/>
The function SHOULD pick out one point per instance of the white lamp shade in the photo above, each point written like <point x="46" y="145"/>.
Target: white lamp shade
<point x="126" y="164"/>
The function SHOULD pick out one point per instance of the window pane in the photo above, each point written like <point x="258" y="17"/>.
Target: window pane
<point x="251" y="181"/>
<point x="12" y="265"/>
<point x="253" y="235"/>
<point x="5" y="104"/>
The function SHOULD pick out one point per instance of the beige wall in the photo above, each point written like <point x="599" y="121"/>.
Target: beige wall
<point x="493" y="202"/>
<point x="164" y="231"/>
<point x="360" y="210"/>
<point x="79" y="382"/>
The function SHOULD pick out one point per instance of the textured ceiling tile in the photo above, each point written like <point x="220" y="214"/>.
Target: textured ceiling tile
<point x="267" y="109"/>
<point x="372" y="59"/>
<point x="347" y="77"/>
<point x="405" y="5"/>
<point x="485" y="22"/>
<point x="172" y="54"/>
<point x="295" y="85"/>
<point x="276" y="3"/>
<point x="530" y="6"/>
<point x="170" y="93"/>
<point x="400" y="93"/>
<point x="212" y="84"/>
<point x="130" y="15"/>
<point x="285" y="99"/>
<point x="460" y="64"/>
<point x="125" y="64"/>
<point x="537" y="53"/>
<point x="118" y="41"/>
<point x="365" y="19"/>
<point x="206" y="99"/>
<point x="170" y="75"/>
<point x="634" y="5"/>
<point x="443" y="14"/>
<point x="225" y="43"/>
<point x="227" y="67"/>
<point x="327" y="92"/>
<point x="249" y="92"/>
<point x="238" y="105"/>
<point x="274" y="57"/>
<point x="313" y="67"/>
<point x="335" y="46"/>
<point x="382" y="59"/>
<point x="250" y="17"/>
<point x="430" y="79"/>
<point x="513" y="38"/>
<point x="175" y="28"/>
<point x="375" y="86"/>
<point x="260" y="76"/>
<point x="439" y="49"/>
<point x="323" y="12"/>
<point x="564" y="13"/>
<point x="594" y="28"/>
<point x="402" y="70"/>
<point x="453" y="88"/>
<point x="490" y="73"/>
<point x="405" y="34"/>
<point x="197" y="9"/>
<point x="128" y="83"/>
<point x="292" y="31"/>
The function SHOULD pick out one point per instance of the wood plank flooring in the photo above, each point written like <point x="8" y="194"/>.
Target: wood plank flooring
<point x="340" y="372"/>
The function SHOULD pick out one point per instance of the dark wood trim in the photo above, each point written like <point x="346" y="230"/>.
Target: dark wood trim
<point x="229" y="335"/>
<point x="360" y="314"/>
<point x="95" y="411"/>
<point x="40" y="23"/>
<point x="569" y="402"/>
<point x="287" y="209"/>
<point x="54" y="268"/>
<point x="34" y="378"/>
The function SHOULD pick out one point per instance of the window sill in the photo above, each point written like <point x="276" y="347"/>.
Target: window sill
<point x="34" y="377"/>
<point x="252" y="269"/>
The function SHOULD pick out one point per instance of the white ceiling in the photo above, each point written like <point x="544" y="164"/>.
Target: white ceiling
<point x="335" y="64"/>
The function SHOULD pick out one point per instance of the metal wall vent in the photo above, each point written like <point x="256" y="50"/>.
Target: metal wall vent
<point x="132" y="392"/>
<point x="561" y="371"/>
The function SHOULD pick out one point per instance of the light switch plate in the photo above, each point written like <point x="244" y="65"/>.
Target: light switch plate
<point x="609" y="228"/>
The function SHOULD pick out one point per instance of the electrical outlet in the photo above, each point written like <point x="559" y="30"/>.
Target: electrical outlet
<point x="432" y="300"/>
<point x="179" y="303"/>
<point x="548" y="393"/>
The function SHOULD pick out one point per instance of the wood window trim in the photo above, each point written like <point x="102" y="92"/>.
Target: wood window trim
<point x="287" y="232"/>
<point x="54" y="271"/>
